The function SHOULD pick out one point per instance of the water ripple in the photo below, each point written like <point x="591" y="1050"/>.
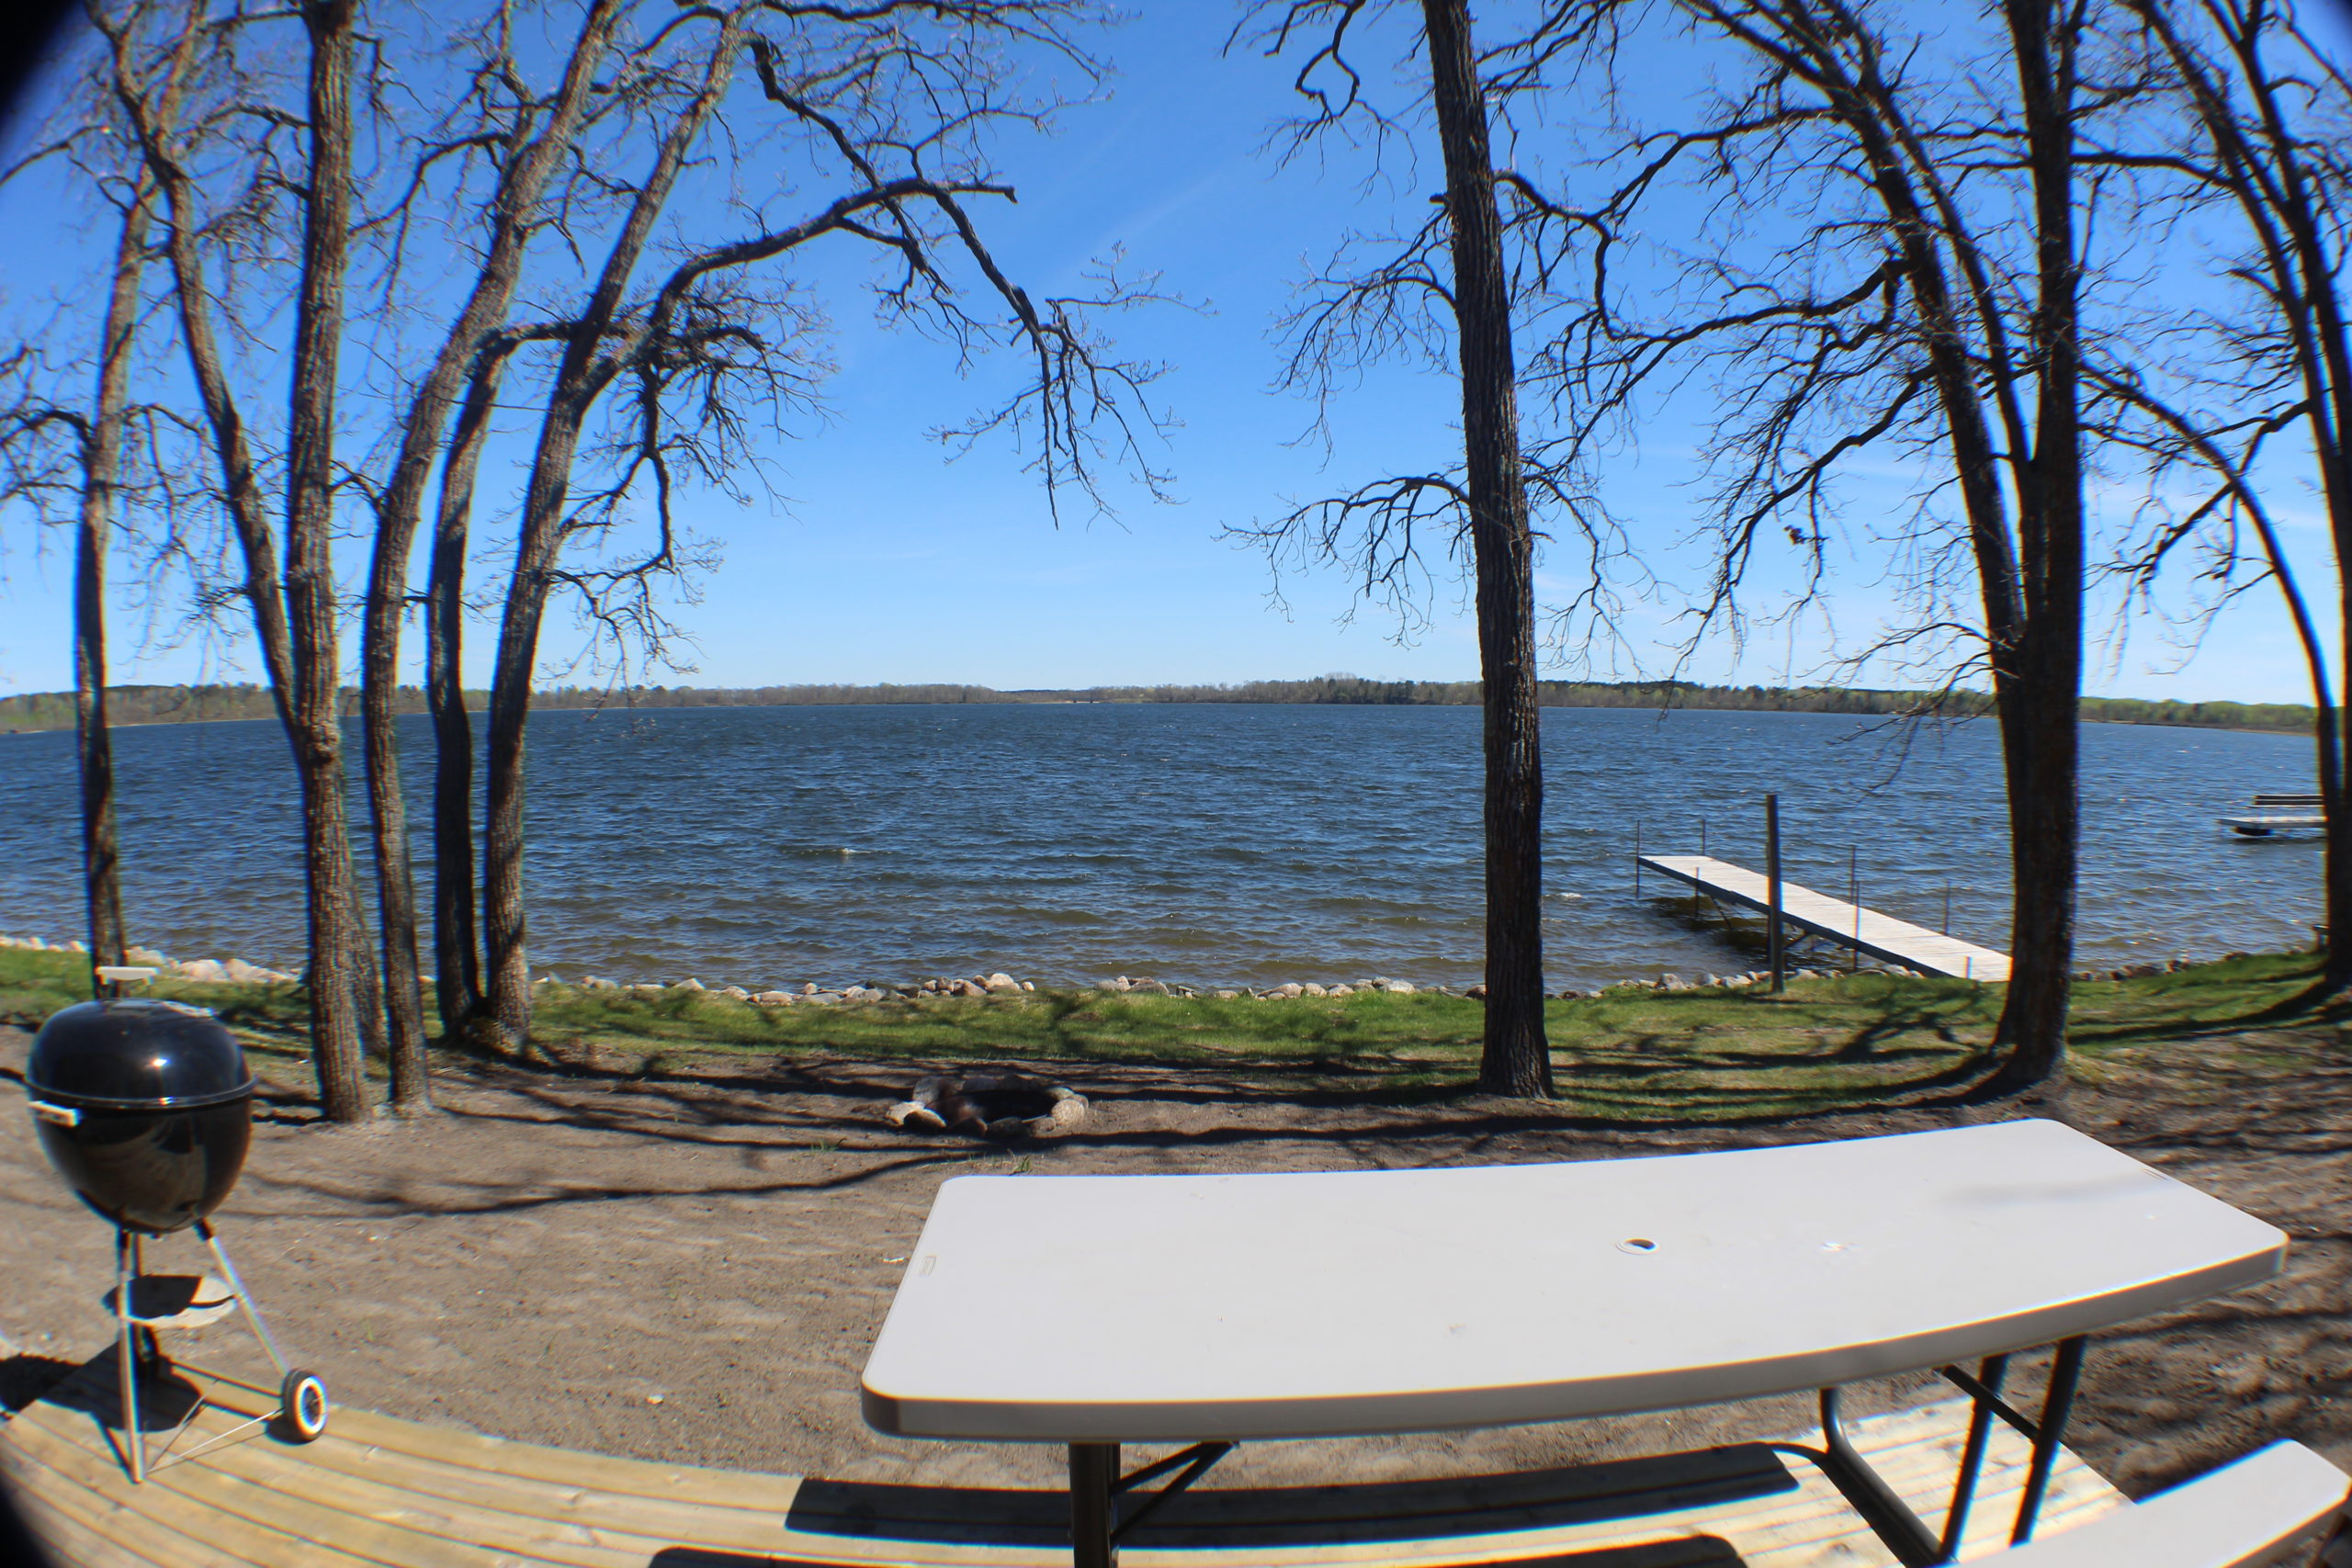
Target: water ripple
<point x="1206" y="844"/>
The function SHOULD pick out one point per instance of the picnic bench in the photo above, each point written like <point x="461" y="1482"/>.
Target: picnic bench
<point x="1096" y="1311"/>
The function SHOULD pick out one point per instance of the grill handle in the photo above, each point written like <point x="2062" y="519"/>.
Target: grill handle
<point x="58" y="1115"/>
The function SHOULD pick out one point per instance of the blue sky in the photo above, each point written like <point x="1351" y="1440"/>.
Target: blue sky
<point x="882" y="561"/>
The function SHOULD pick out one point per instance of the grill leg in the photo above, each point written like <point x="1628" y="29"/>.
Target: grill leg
<point x="244" y="1298"/>
<point x="127" y="1354"/>
<point x="1093" y="1471"/>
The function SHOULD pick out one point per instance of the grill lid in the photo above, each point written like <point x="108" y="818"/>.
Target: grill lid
<point x="137" y="1055"/>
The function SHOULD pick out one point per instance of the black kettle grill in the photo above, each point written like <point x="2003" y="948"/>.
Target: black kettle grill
<point x="143" y="1107"/>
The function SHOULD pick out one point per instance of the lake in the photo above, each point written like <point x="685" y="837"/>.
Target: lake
<point x="1205" y="844"/>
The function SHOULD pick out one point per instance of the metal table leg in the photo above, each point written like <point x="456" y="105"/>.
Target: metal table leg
<point x="1093" y="1472"/>
<point x="2057" y="1405"/>
<point x="1892" y="1520"/>
<point x="1095" y="1486"/>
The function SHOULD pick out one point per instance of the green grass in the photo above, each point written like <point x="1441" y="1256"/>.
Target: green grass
<point x="1628" y="1055"/>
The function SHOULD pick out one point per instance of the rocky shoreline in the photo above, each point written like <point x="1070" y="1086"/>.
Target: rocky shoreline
<point x="237" y="972"/>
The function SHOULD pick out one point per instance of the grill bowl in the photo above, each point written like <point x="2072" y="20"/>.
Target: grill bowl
<point x="143" y="1108"/>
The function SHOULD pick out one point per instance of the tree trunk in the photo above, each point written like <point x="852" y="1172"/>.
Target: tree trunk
<point x="2041" y="697"/>
<point x="506" y="922"/>
<point x="456" y="949"/>
<point x="1517" y="1058"/>
<point x="339" y="962"/>
<point x="395" y="884"/>
<point x="102" y="460"/>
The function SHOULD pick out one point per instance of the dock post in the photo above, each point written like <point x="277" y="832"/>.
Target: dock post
<point x="1947" y="906"/>
<point x="1775" y="951"/>
<point x="1854" y="896"/>
<point x="1703" y="836"/>
<point x="1637" y="857"/>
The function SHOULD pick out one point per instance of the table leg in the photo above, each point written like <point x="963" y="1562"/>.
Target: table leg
<point x="2050" y="1428"/>
<point x="1882" y="1508"/>
<point x="1984" y="1393"/>
<point x="1093" y="1472"/>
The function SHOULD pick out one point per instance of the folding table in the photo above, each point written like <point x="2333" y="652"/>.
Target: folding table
<point x="1092" y="1311"/>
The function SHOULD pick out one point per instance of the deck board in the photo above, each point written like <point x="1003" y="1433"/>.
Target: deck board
<point x="377" y="1490"/>
<point x="1882" y="936"/>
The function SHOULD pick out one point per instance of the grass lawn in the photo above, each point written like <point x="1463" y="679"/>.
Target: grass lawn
<point x="1632" y="1055"/>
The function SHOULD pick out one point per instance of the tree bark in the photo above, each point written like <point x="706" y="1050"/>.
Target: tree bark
<point x="339" y="959"/>
<point x="1516" y="1058"/>
<point x="101" y="466"/>
<point x="456" y="947"/>
<point x="2042" y="697"/>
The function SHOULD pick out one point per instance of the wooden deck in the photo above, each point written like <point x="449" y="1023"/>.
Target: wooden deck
<point x="1882" y="936"/>
<point x="396" y="1493"/>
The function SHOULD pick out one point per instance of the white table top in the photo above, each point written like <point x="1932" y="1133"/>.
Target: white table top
<point x="1182" y="1308"/>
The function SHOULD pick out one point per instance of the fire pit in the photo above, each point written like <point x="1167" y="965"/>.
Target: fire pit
<point x="143" y="1107"/>
<point x="998" y="1106"/>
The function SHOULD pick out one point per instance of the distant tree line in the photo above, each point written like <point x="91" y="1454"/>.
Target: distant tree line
<point x="196" y="705"/>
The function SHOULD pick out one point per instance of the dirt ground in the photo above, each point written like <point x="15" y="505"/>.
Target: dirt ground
<point x="693" y="1269"/>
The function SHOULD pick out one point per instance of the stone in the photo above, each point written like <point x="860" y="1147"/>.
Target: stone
<point x="738" y="992"/>
<point x="597" y="983"/>
<point x="1001" y="982"/>
<point x="1228" y="996"/>
<point x="206" y="971"/>
<point x="1477" y="993"/>
<point x="1344" y="990"/>
<point x="970" y="988"/>
<point x="689" y="984"/>
<point x="1154" y="987"/>
<point x="1028" y="985"/>
<point x="776" y="999"/>
<point x="1400" y="987"/>
<point x="1312" y="989"/>
<point x="1109" y="986"/>
<point x="647" y="989"/>
<point x="809" y="989"/>
<point x="149" y="956"/>
<point x="1288" y="988"/>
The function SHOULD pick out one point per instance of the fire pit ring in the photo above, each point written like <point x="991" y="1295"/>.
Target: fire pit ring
<point x="1002" y="1107"/>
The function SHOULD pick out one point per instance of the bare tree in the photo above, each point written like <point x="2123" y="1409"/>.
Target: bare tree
<point x="1453" y="279"/>
<point x="2266" y="141"/>
<point x="527" y="136"/>
<point x="656" y="382"/>
<point x="1890" y="257"/>
<point x="293" y="604"/>
<point x="92" y="475"/>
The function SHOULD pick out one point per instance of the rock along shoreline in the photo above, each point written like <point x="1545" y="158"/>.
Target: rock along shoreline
<point x="237" y="972"/>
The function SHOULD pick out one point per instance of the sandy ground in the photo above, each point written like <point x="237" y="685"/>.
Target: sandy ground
<point x="693" y="1269"/>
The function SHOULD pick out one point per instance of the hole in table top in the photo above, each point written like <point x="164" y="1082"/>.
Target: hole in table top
<point x="1637" y="1244"/>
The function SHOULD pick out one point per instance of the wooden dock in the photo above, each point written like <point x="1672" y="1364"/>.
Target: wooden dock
<point x="377" y="1492"/>
<point x="2278" y="813"/>
<point x="1882" y="936"/>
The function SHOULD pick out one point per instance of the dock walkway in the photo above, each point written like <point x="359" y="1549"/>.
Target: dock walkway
<point x="377" y="1492"/>
<point x="1882" y="936"/>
